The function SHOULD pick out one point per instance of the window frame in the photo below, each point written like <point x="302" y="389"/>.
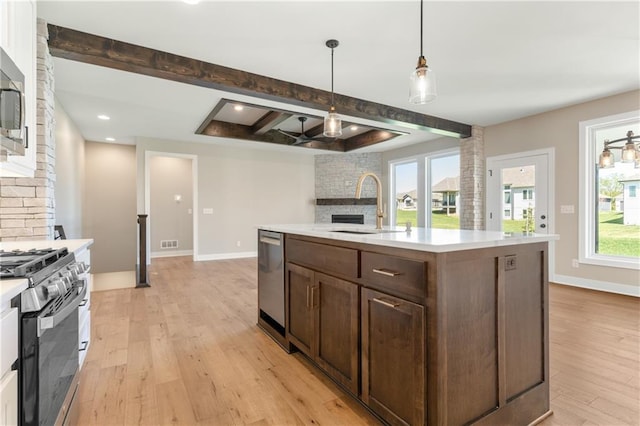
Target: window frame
<point x="588" y="158"/>
<point x="423" y="187"/>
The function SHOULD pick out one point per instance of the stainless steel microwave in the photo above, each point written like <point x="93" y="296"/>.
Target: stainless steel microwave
<point x="13" y="132"/>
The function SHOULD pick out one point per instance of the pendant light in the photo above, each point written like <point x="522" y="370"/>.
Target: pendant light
<point x="423" y="79"/>
<point x="332" y="122"/>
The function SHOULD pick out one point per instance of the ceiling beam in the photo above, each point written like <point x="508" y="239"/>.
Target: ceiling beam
<point x="93" y="49"/>
<point x="268" y="122"/>
<point x="223" y="129"/>
<point x="371" y="137"/>
<point x="315" y="130"/>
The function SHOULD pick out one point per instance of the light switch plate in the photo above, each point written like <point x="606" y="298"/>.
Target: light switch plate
<point x="567" y="209"/>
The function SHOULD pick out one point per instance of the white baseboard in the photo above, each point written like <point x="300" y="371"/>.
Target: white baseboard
<point x="223" y="256"/>
<point x="174" y="253"/>
<point x="628" y="290"/>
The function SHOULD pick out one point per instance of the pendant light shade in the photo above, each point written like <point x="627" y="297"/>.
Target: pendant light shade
<point x="629" y="153"/>
<point x="606" y="159"/>
<point x="422" y="80"/>
<point x="423" y="83"/>
<point x="332" y="122"/>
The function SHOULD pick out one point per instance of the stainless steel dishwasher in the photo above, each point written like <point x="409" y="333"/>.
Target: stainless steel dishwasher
<point x="271" y="279"/>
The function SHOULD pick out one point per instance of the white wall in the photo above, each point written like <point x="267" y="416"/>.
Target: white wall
<point x="245" y="187"/>
<point x="70" y="169"/>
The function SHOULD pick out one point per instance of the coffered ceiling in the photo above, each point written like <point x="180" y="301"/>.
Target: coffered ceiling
<point x="495" y="61"/>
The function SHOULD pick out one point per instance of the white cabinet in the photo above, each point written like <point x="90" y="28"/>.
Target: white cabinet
<point x="18" y="30"/>
<point x="8" y="378"/>
<point x="84" y="312"/>
<point x="9" y="398"/>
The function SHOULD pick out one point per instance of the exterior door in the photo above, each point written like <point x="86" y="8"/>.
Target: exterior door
<point x="518" y="193"/>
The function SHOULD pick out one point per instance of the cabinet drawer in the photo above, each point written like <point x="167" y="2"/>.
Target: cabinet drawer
<point x="329" y="259"/>
<point x="9" y="333"/>
<point x="395" y="275"/>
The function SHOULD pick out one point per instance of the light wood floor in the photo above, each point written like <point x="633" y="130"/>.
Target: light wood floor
<point x="187" y="351"/>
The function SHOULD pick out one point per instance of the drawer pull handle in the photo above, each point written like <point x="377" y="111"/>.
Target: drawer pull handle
<point x="84" y="346"/>
<point x="83" y="303"/>
<point x="386" y="303"/>
<point x="386" y="272"/>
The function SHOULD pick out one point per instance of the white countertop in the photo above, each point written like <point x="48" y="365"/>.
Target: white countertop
<point x="11" y="288"/>
<point x="424" y="239"/>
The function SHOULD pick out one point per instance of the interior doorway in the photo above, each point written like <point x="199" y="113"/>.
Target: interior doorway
<point x="519" y="192"/>
<point x="171" y="201"/>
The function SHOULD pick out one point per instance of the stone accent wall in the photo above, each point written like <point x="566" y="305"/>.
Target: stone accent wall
<point x="337" y="176"/>
<point x="27" y="205"/>
<point x="472" y="180"/>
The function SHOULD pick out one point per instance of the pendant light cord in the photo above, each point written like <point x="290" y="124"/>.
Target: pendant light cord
<point x="421" y="17"/>
<point x="332" y="77"/>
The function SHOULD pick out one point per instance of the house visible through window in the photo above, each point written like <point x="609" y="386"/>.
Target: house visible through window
<point x="609" y="207"/>
<point x="426" y="190"/>
<point x="527" y="194"/>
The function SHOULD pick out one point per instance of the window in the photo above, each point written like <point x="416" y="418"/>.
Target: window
<point x="609" y="216"/>
<point x="632" y="191"/>
<point x="507" y="197"/>
<point x="527" y="194"/>
<point x="404" y="192"/>
<point x="431" y="185"/>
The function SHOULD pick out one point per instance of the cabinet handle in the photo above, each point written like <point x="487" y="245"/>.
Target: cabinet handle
<point x="313" y="296"/>
<point x="83" y="303"/>
<point x="386" y="303"/>
<point x="308" y="304"/>
<point x="386" y="272"/>
<point x="84" y="346"/>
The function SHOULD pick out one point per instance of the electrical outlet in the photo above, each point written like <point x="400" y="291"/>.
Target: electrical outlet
<point x="207" y="211"/>
<point x="567" y="209"/>
<point x="510" y="263"/>
<point x="237" y="243"/>
<point x="575" y="263"/>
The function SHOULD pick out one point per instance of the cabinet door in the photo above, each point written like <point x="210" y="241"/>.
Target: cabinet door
<point x="301" y="315"/>
<point x="9" y="399"/>
<point x="336" y="320"/>
<point x="393" y="358"/>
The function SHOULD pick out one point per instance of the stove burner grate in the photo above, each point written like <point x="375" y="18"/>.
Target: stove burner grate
<point x="19" y="264"/>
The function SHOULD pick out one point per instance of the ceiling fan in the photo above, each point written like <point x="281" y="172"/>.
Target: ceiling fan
<point x="301" y="138"/>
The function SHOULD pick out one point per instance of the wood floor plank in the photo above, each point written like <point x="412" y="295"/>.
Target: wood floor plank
<point x="187" y="351"/>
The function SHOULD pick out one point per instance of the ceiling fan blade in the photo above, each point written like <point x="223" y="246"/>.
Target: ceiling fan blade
<point x="287" y="134"/>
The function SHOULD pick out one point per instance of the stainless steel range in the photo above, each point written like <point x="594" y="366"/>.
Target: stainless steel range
<point x="48" y="308"/>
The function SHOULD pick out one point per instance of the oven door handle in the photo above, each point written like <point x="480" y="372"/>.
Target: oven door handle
<point x="47" y="322"/>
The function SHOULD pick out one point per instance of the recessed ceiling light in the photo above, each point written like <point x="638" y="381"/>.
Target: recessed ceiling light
<point x="104" y="117"/>
<point x="110" y="139"/>
<point x="354" y="128"/>
<point x="238" y="107"/>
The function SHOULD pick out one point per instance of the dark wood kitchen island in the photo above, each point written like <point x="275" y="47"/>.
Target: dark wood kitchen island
<point x="436" y="327"/>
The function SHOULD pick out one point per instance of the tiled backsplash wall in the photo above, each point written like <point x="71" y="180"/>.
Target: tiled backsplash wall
<point x="337" y="176"/>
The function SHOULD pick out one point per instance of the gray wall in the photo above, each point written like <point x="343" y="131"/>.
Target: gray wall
<point x="110" y="206"/>
<point x="245" y="185"/>
<point x="171" y="219"/>
<point x="70" y="169"/>
<point x="559" y="129"/>
<point x="337" y="176"/>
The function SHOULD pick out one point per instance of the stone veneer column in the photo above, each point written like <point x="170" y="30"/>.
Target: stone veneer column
<point x="27" y="205"/>
<point x="472" y="180"/>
